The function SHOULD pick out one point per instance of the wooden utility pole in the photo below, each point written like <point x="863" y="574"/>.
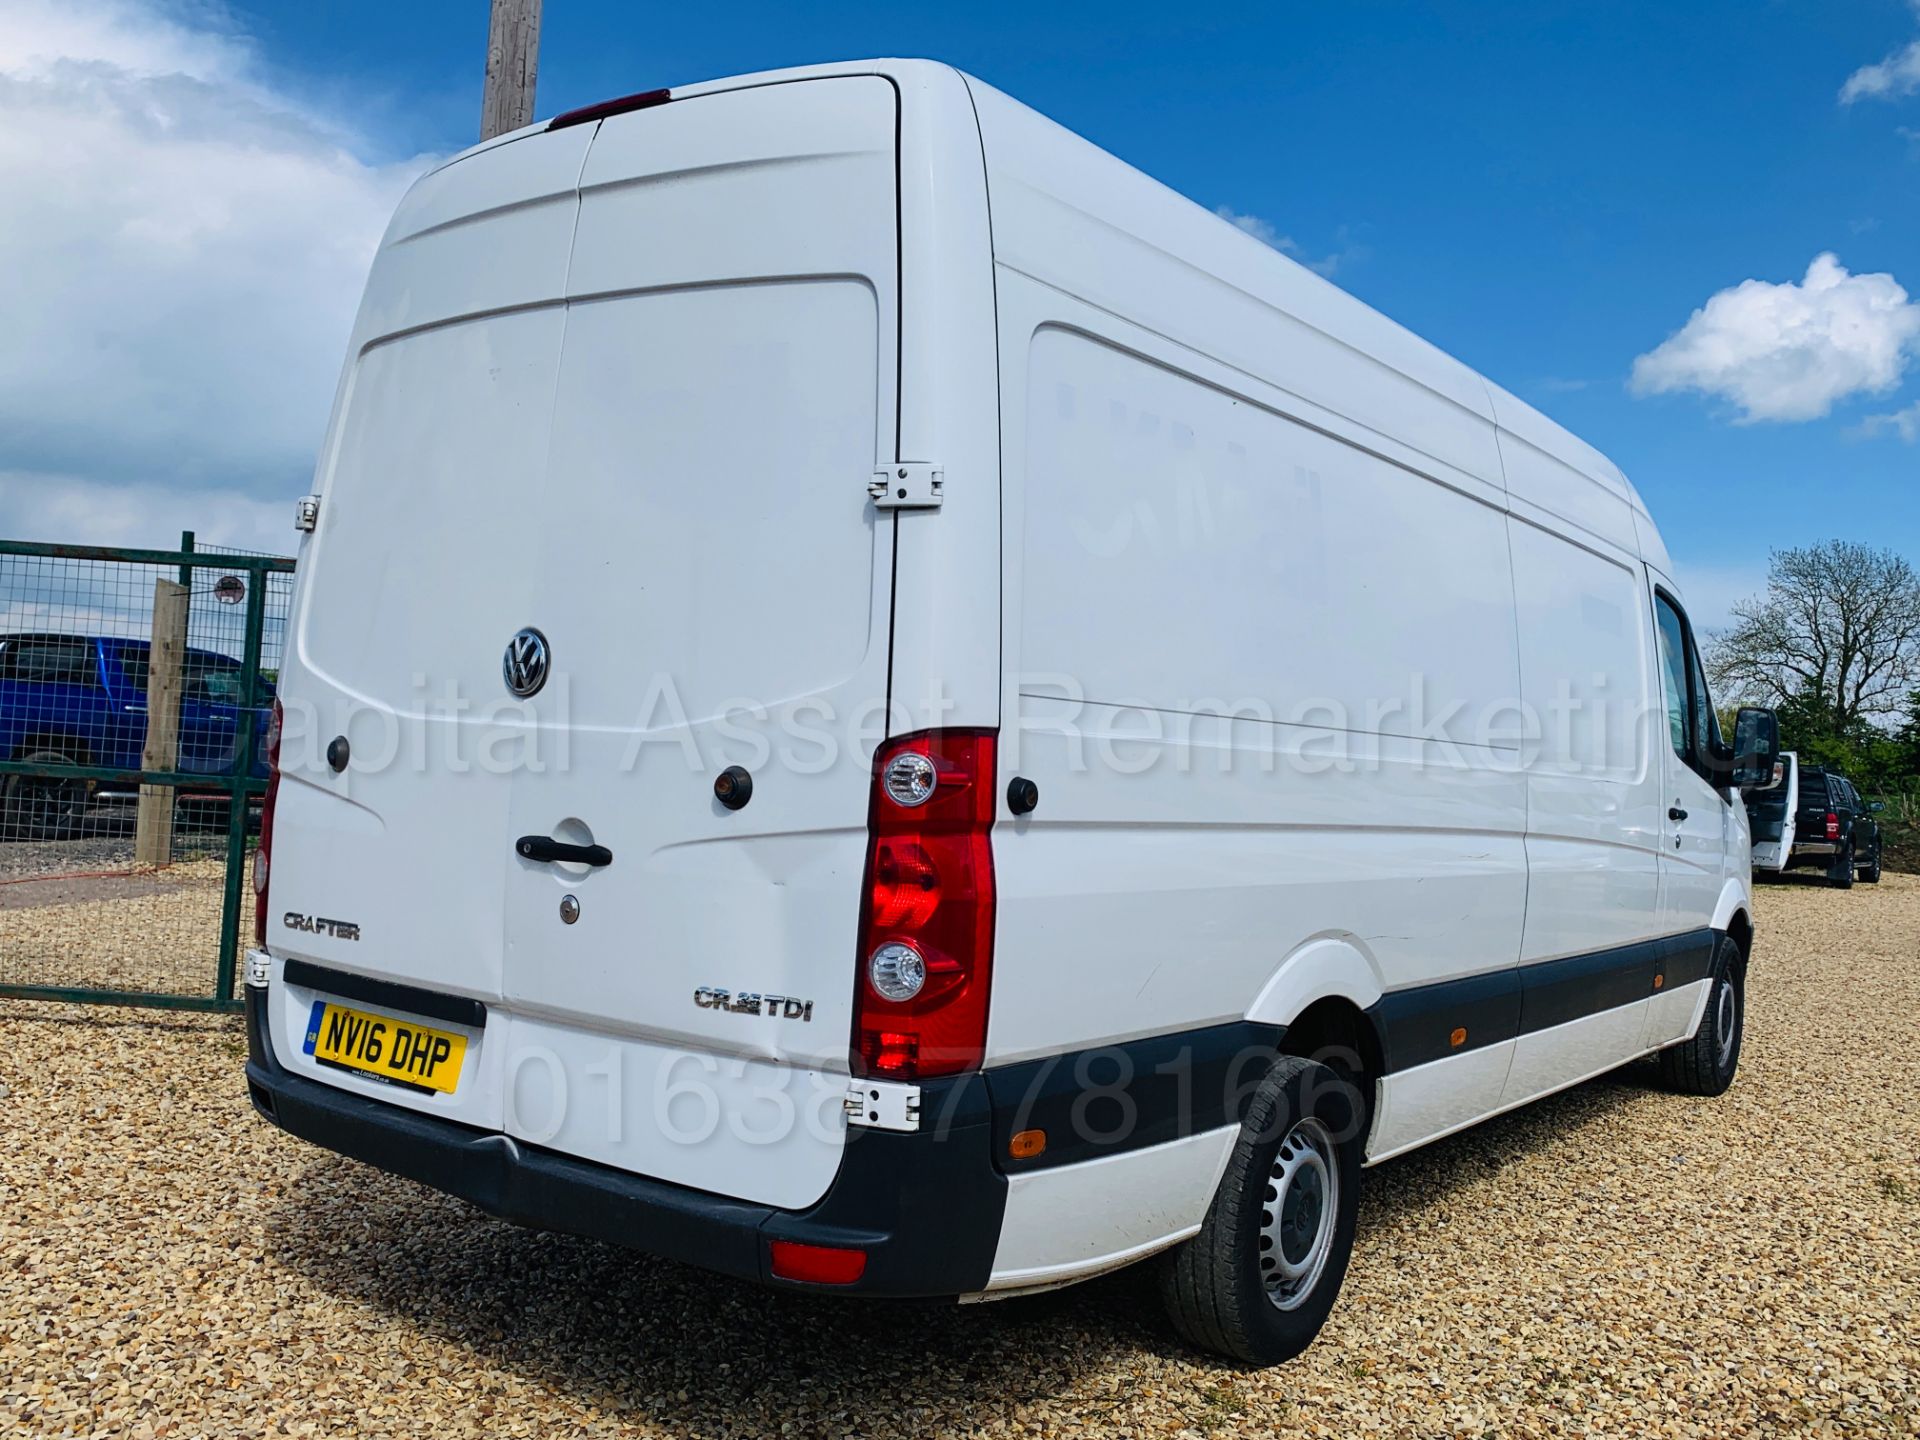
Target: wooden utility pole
<point x="153" y="825"/>
<point x="513" y="64"/>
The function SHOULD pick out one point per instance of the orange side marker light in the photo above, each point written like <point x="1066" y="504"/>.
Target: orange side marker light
<point x="1027" y="1144"/>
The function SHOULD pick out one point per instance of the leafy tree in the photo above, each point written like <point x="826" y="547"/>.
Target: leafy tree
<point x="1835" y="638"/>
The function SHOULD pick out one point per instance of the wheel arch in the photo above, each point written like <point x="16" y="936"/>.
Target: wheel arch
<point x="1739" y="929"/>
<point x="1324" y="994"/>
<point x="1734" y="900"/>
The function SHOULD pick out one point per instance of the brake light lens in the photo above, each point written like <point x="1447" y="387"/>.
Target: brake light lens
<point x="1833" y="826"/>
<point x="640" y="101"/>
<point x="926" y="939"/>
<point x="262" y="855"/>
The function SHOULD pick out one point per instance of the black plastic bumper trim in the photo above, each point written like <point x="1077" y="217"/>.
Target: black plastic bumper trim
<point x="925" y="1206"/>
<point x="1114" y="1098"/>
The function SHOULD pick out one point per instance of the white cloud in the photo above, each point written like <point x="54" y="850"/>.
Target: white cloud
<point x="1904" y="422"/>
<point x="1897" y="75"/>
<point x="1790" y="351"/>
<point x="1889" y="79"/>
<point x="1267" y="233"/>
<point x="182" y="244"/>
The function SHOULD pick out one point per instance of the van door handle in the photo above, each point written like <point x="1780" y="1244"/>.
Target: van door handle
<point x="545" y="849"/>
<point x="1675" y="813"/>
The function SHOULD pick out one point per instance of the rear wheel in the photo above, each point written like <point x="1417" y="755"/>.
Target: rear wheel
<point x="42" y="807"/>
<point x="1841" y="876"/>
<point x="1705" y="1064"/>
<point x="1258" y="1281"/>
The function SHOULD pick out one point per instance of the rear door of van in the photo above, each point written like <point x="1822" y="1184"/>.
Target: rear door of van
<point x="642" y="434"/>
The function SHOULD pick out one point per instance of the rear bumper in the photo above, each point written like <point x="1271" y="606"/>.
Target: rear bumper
<point x="926" y="1206"/>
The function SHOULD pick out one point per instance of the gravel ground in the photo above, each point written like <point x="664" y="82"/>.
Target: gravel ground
<point x="156" y="931"/>
<point x="105" y="841"/>
<point x="1613" y="1261"/>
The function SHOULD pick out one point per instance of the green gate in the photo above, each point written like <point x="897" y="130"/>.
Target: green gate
<point x="134" y="686"/>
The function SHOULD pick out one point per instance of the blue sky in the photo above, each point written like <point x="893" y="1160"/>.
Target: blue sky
<point x="1547" y="190"/>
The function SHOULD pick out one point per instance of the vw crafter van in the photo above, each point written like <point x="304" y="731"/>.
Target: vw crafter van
<point x="878" y="702"/>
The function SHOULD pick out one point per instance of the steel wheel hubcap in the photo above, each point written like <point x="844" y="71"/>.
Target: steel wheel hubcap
<point x="1298" y="1214"/>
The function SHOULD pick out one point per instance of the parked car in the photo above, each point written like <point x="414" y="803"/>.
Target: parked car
<point x="1834" y="829"/>
<point x="997" y="444"/>
<point x="82" y="700"/>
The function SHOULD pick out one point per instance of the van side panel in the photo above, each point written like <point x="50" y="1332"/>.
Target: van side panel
<point x="1593" y="780"/>
<point x="1224" y="775"/>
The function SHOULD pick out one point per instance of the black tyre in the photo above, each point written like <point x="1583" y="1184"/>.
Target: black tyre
<point x="1258" y="1281"/>
<point x="1870" y="872"/>
<point x="1705" y="1064"/>
<point x="42" y="807"/>
<point x="1841" y="876"/>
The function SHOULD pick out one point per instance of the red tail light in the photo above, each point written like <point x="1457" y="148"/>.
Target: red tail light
<point x="926" y="939"/>
<point x="262" y="856"/>
<point x="1833" y="826"/>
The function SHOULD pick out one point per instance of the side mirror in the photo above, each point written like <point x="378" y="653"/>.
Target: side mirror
<point x="1756" y="746"/>
<point x="1876" y="806"/>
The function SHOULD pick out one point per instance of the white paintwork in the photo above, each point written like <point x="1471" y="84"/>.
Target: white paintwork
<point x="658" y="454"/>
<point x="1427" y="1101"/>
<point x="1327" y="967"/>
<point x="1674" y="1014"/>
<point x="1602" y="1043"/>
<point x="1219" y="548"/>
<point x="1774" y="854"/>
<point x="1075" y="1221"/>
<point x="1562" y="1055"/>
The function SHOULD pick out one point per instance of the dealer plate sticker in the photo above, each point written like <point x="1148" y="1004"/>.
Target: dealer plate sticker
<point x="401" y="1052"/>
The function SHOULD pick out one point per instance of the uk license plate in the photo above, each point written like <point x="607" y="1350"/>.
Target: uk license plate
<point x="401" y="1052"/>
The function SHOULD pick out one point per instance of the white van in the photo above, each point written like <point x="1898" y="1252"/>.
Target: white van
<point x="878" y="701"/>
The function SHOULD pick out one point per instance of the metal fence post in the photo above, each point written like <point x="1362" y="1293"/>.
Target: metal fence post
<point x="243" y="754"/>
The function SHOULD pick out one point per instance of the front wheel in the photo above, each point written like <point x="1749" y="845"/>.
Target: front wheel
<point x="1705" y="1064"/>
<point x="1870" y="873"/>
<point x="1256" y="1284"/>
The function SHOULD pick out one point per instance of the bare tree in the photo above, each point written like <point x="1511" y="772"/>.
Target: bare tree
<point x="1839" y="622"/>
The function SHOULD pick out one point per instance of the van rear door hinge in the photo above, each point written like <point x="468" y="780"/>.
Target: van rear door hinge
<point x="306" y="513"/>
<point x="907" y="485"/>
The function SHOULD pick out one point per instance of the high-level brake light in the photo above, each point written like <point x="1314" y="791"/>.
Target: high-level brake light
<point x="606" y="108"/>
